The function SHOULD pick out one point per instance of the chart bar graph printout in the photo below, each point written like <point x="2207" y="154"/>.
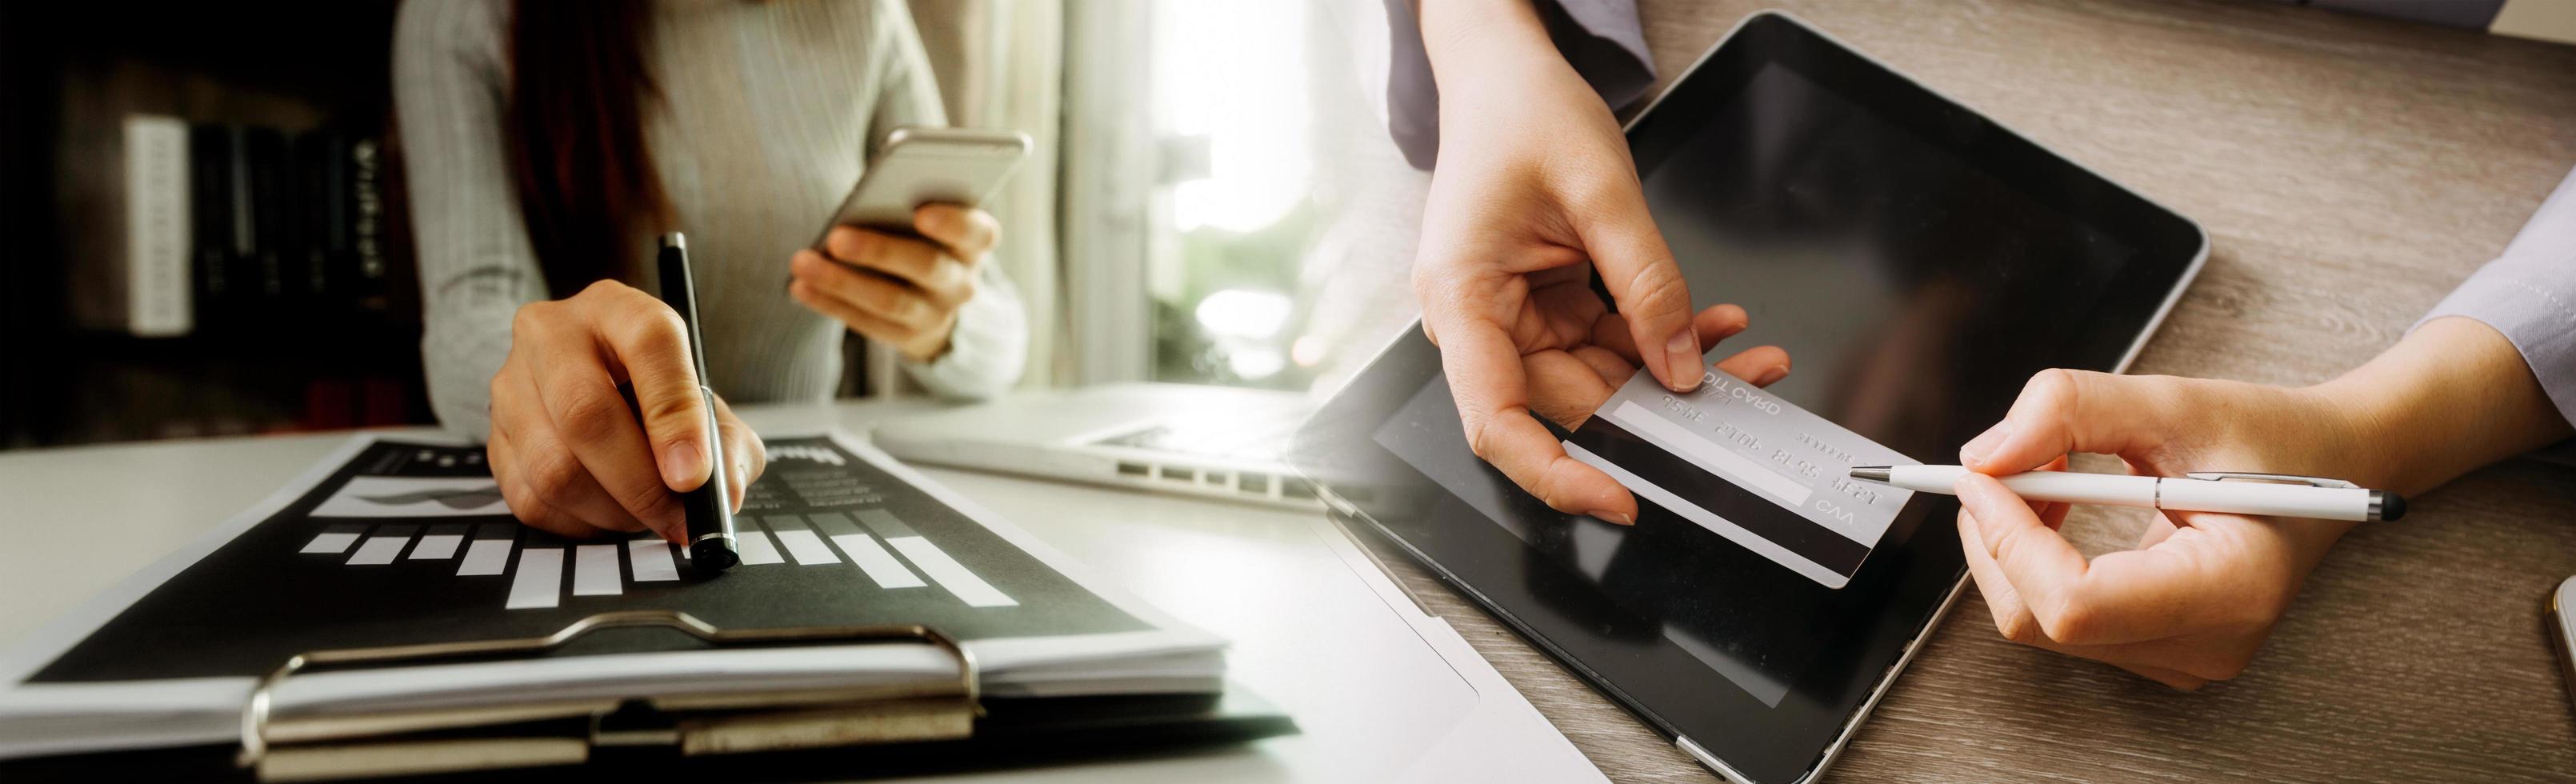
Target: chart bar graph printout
<point x="407" y="543"/>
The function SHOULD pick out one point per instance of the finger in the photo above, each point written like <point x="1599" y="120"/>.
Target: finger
<point x="2159" y="528"/>
<point x="2038" y="562"/>
<point x="1638" y="270"/>
<point x="2012" y="619"/>
<point x="2168" y="676"/>
<point x="1714" y="323"/>
<point x="745" y="455"/>
<point x="540" y="459"/>
<point x="1564" y="388"/>
<point x="2178" y="661"/>
<point x="558" y="480"/>
<point x="523" y="502"/>
<point x="650" y="346"/>
<point x="868" y="325"/>
<point x="1612" y="369"/>
<point x="1486" y="378"/>
<point x="875" y="295"/>
<point x="2052" y="513"/>
<point x="1760" y="366"/>
<point x="575" y="359"/>
<point x="2121" y="597"/>
<point x="910" y="262"/>
<point x="967" y="232"/>
<point x="2063" y="411"/>
<point x="526" y="504"/>
<point x="1719" y="322"/>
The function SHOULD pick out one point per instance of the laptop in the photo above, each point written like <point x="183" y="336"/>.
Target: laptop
<point x="1184" y="439"/>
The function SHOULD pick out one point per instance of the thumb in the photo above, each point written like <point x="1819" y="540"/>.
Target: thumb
<point x="2062" y="411"/>
<point x="651" y="343"/>
<point x="1638" y="270"/>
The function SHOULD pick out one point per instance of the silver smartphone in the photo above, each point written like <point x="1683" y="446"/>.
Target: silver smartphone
<point x="923" y="165"/>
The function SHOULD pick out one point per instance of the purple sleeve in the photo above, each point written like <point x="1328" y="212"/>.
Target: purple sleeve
<point x="1600" y="38"/>
<point x="2529" y="294"/>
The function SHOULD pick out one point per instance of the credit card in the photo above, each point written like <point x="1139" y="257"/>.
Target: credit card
<point x="1749" y="466"/>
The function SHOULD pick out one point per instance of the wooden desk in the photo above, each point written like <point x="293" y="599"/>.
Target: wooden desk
<point x="2350" y="171"/>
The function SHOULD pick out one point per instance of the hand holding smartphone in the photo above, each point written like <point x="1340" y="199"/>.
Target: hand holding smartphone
<point x="918" y="166"/>
<point x="896" y="261"/>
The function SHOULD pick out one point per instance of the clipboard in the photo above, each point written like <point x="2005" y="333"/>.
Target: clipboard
<point x="449" y="740"/>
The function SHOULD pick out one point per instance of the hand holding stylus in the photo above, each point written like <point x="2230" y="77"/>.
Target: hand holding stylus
<point x="571" y="456"/>
<point x="2197" y="598"/>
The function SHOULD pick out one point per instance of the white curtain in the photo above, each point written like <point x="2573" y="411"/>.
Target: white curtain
<point x="1000" y="65"/>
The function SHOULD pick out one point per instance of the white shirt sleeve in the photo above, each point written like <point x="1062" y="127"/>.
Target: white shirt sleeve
<point x="2529" y="294"/>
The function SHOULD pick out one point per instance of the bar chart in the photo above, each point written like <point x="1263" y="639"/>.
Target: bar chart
<point x="546" y="571"/>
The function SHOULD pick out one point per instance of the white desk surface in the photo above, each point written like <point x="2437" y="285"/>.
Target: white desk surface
<point x="1309" y="634"/>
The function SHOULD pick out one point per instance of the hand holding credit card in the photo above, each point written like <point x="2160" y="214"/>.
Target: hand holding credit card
<point x="1748" y="466"/>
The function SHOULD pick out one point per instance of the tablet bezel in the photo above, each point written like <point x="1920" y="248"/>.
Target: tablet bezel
<point x="2162" y="234"/>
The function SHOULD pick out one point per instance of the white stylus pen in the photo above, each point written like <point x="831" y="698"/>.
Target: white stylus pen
<point x="2284" y="495"/>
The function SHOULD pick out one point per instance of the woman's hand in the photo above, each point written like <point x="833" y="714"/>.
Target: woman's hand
<point x="900" y="291"/>
<point x="1534" y="194"/>
<point x="2197" y="598"/>
<point x="571" y="455"/>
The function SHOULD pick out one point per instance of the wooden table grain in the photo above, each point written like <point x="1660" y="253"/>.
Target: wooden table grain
<point x="2349" y="170"/>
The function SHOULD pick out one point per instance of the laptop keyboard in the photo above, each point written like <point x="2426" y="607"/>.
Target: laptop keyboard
<point x="1191" y="451"/>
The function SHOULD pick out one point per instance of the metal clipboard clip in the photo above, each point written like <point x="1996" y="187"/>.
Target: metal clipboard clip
<point x="564" y="731"/>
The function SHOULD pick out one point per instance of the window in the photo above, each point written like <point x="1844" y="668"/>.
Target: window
<point x="1275" y="229"/>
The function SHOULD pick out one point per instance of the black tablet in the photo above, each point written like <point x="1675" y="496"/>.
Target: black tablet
<point x="1918" y="261"/>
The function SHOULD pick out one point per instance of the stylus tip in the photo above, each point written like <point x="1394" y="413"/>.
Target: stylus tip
<point x="1871" y="473"/>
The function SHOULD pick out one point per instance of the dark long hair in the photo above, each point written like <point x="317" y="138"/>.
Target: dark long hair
<point x="575" y="130"/>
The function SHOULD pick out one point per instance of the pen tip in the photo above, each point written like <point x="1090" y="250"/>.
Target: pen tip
<point x="1871" y="473"/>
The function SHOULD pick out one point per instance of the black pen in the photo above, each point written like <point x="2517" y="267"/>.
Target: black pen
<point x="711" y="539"/>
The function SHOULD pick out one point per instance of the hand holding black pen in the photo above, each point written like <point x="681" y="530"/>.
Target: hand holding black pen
<point x="575" y="457"/>
<point x="709" y="516"/>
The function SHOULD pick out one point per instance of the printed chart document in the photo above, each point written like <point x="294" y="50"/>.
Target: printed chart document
<point x="1753" y="468"/>
<point x="391" y="543"/>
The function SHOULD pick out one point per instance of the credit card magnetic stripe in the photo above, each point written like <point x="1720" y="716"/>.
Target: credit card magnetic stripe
<point x="1721" y="498"/>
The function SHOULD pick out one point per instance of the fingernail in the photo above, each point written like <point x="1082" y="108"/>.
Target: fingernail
<point x="1771" y="376"/>
<point x="1975" y="452"/>
<point x="684" y="467"/>
<point x="1681" y="358"/>
<point x="1621" y="518"/>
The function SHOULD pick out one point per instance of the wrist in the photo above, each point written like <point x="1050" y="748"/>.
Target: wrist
<point x="931" y="347"/>
<point x="2356" y="420"/>
<point x="1483" y="42"/>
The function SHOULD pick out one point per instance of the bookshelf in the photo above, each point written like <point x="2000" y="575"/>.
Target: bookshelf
<point x="301" y="311"/>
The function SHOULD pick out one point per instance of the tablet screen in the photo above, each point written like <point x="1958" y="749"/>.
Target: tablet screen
<point x="1917" y="262"/>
